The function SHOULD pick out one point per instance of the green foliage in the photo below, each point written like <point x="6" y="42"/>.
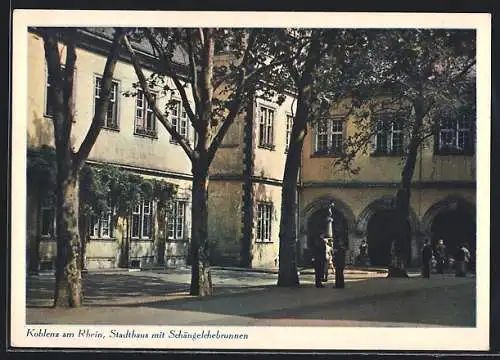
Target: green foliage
<point x="99" y="187"/>
<point x="41" y="171"/>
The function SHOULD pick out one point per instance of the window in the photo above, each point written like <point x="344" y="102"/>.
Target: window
<point x="329" y="138"/>
<point x="101" y="227"/>
<point x="266" y="127"/>
<point x="47" y="218"/>
<point x="145" y="120"/>
<point x="264" y="214"/>
<point x="455" y="136"/>
<point x="111" y="119"/>
<point x="288" y="133"/>
<point x="142" y="220"/>
<point x="388" y="137"/>
<point x="179" y="120"/>
<point x="176" y="220"/>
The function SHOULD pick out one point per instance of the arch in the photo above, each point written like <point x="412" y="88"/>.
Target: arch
<point x="386" y="202"/>
<point x="448" y="203"/>
<point x="322" y="203"/>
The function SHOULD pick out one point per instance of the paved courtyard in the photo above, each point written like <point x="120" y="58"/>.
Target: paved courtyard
<point x="245" y="298"/>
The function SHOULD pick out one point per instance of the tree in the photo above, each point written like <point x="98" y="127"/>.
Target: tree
<point x="69" y="161"/>
<point x="219" y="85"/>
<point x="323" y="64"/>
<point x="423" y="76"/>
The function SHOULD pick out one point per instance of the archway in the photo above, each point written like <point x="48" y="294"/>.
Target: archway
<point x="317" y="224"/>
<point x="380" y="234"/>
<point x="455" y="227"/>
<point x="453" y="220"/>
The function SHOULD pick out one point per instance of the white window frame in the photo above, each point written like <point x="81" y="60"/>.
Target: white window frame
<point x="176" y="219"/>
<point x="264" y="222"/>
<point x="147" y="214"/>
<point x="143" y="112"/>
<point x="179" y="120"/>
<point x="266" y="116"/>
<point x="98" y="227"/>
<point x="143" y="210"/>
<point x="389" y="130"/>
<point x="113" y="103"/>
<point x="325" y="133"/>
<point x="459" y="127"/>
<point x="288" y="131"/>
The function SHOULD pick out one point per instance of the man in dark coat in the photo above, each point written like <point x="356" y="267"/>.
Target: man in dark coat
<point x="426" y="259"/>
<point x="339" y="263"/>
<point x="319" y="259"/>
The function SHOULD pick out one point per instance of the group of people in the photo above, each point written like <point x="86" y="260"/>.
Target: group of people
<point x="461" y="258"/>
<point x="328" y="254"/>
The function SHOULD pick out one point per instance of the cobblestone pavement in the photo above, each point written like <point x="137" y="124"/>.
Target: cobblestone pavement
<point x="159" y="297"/>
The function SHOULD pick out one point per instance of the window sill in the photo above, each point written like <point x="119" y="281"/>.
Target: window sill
<point x="387" y="154"/>
<point x="152" y="135"/>
<point x="177" y="240"/>
<point x="263" y="242"/>
<point x="326" y="155"/>
<point x="111" y="128"/>
<point x="453" y="153"/>
<point x="141" y="239"/>
<point x="97" y="238"/>
<point x="267" y="147"/>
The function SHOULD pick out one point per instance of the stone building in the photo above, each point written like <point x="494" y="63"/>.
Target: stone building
<point x="131" y="139"/>
<point x="246" y="177"/>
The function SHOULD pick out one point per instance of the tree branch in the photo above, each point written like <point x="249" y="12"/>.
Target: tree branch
<point x="237" y="100"/>
<point x="102" y="105"/>
<point x="194" y="72"/>
<point x="166" y="62"/>
<point x="151" y="102"/>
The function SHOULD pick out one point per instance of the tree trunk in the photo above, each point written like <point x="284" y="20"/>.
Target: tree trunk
<point x="83" y="232"/>
<point x="69" y="289"/>
<point x="288" y="275"/>
<point x="201" y="281"/>
<point x="401" y="238"/>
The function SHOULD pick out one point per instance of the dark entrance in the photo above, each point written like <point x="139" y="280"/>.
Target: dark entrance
<point x="455" y="227"/>
<point x="380" y="235"/>
<point x="316" y="225"/>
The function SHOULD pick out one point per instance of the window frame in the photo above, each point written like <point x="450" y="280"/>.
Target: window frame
<point x="141" y="214"/>
<point x="141" y="129"/>
<point x="266" y="126"/>
<point x="96" y="225"/>
<point x="455" y="130"/>
<point x="47" y="205"/>
<point x="115" y="102"/>
<point x="172" y="227"/>
<point x="385" y="129"/>
<point x="328" y="132"/>
<point x="180" y="117"/>
<point x="288" y="131"/>
<point x="264" y="225"/>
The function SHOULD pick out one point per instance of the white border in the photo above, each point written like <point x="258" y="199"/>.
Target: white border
<point x="267" y="337"/>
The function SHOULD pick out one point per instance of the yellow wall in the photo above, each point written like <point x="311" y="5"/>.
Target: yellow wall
<point x="121" y="146"/>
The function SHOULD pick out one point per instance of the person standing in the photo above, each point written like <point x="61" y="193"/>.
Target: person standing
<point x="319" y="259"/>
<point x="339" y="263"/>
<point x="440" y="256"/>
<point x="462" y="257"/>
<point x="426" y="259"/>
<point x="363" y="253"/>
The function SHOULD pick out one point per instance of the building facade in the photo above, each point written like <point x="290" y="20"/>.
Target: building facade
<point x="131" y="139"/>
<point x="244" y="198"/>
